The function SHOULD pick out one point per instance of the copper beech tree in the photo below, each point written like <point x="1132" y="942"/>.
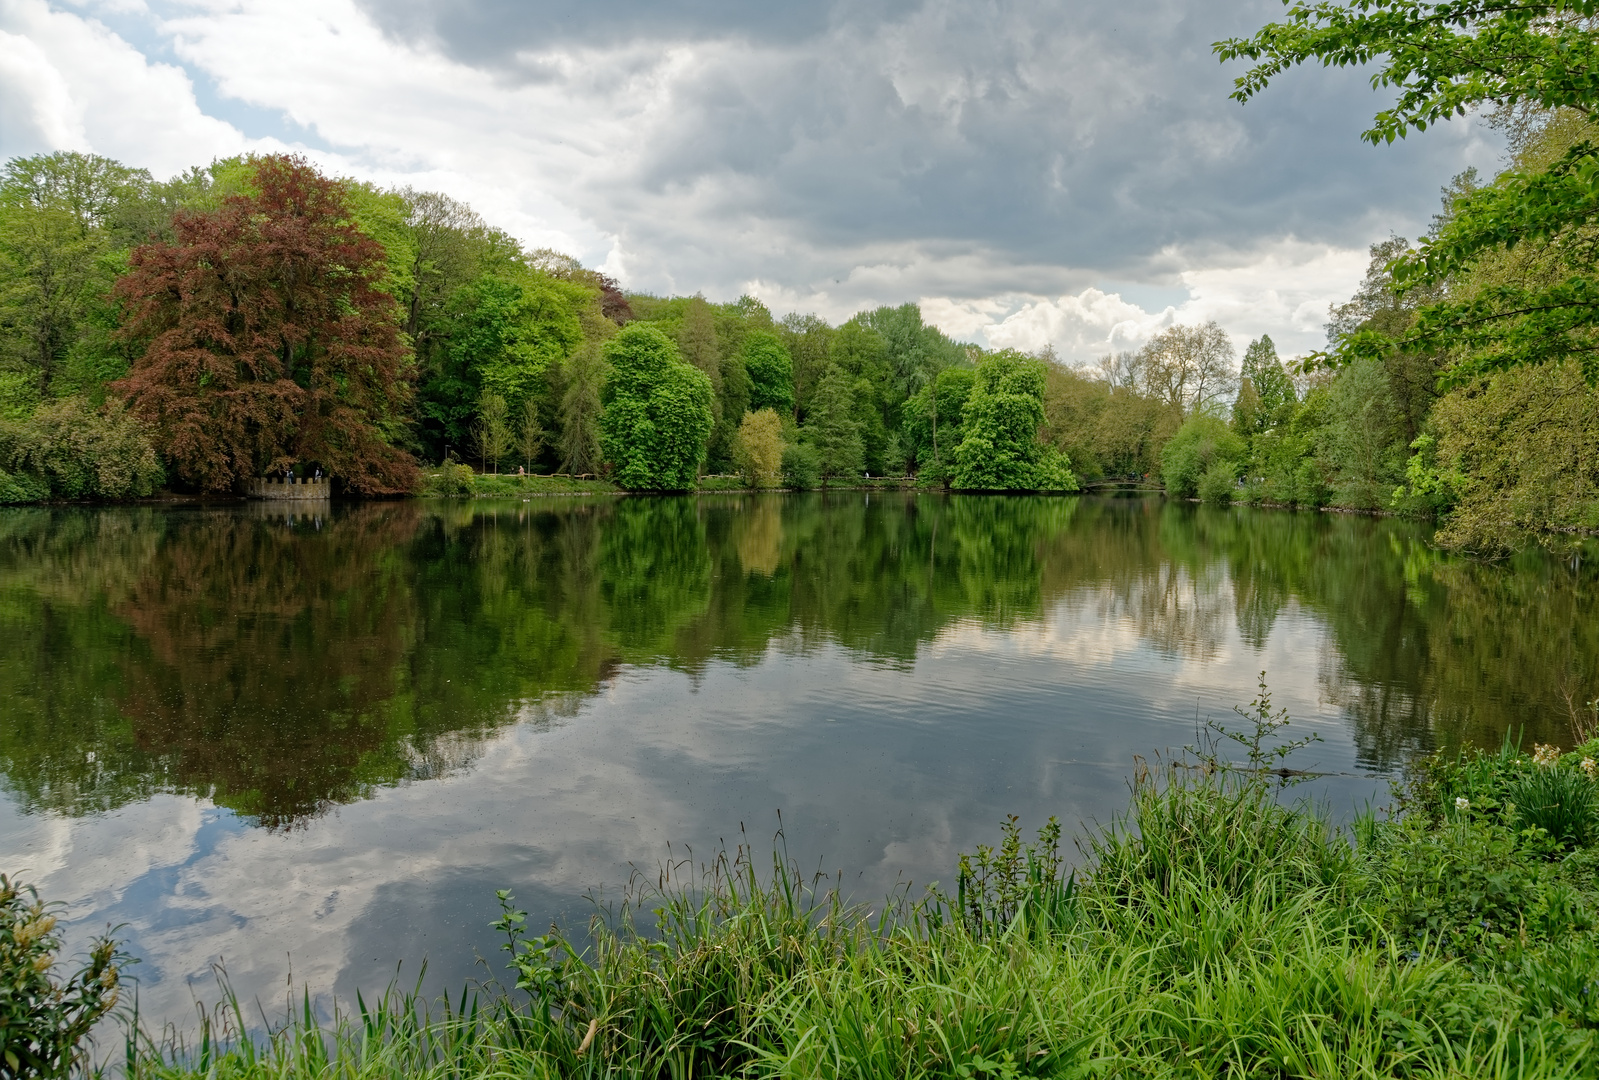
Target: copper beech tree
<point x="266" y="340"/>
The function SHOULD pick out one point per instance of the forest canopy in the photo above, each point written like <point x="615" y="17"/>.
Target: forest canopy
<point x="254" y="317"/>
<point x="1465" y="366"/>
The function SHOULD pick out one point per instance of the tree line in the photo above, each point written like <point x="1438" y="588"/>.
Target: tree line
<point x="256" y="318"/>
<point x="1461" y="377"/>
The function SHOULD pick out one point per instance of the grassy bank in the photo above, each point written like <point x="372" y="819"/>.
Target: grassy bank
<point x="1215" y="930"/>
<point x="461" y="481"/>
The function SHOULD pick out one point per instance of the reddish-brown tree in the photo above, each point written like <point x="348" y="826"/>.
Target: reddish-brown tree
<point x="266" y="340"/>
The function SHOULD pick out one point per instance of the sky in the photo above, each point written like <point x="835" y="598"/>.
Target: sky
<point x="1068" y="174"/>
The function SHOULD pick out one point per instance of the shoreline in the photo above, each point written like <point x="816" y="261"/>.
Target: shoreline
<point x="1213" y="921"/>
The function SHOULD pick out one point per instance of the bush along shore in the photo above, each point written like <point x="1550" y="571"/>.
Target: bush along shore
<point x="1217" y="928"/>
<point x="506" y="356"/>
<point x="456" y="480"/>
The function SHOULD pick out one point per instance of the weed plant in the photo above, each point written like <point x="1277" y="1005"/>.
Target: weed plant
<point x="1216" y="929"/>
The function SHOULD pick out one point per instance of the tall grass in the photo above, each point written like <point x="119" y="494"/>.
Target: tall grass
<point x="1211" y="931"/>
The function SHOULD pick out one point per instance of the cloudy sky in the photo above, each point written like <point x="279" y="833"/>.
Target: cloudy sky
<point x="1031" y="172"/>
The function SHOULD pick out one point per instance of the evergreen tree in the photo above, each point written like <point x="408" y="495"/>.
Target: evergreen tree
<point x="831" y="428"/>
<point x="1273" y="389"/>
<point x="1247" y="418"/>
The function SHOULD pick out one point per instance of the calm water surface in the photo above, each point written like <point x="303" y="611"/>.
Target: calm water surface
<point x="311" y="746"/>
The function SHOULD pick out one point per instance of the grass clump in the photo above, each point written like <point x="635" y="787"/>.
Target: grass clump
<point x="1216" y="929"/>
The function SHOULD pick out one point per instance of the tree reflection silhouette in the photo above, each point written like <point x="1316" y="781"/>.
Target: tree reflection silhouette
<point x="281" y="663"/>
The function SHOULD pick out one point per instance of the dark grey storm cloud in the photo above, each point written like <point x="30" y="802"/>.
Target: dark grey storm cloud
<point x="1067" y="135"/>
<point x="972" y="154"/>
<point x="492" y="31"/>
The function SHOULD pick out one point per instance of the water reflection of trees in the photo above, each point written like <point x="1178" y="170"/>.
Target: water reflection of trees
<point x="281" y="662"/>
<point x="1431" y="649"/>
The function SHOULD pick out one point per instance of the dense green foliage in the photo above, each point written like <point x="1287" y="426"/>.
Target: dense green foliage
<point x="1215" y="930"/>
<point x="502" y="361"/>
<point x="409" y="328"/>
<point x="999" y="448"/>
<point x="657" y="412"/>
<point x="1446" y="58"/>
<point x="1498" y="306"/>
<point x="771" y="372"/>
<point x="46" y="1014"/>
<point x="1204" y="446"/>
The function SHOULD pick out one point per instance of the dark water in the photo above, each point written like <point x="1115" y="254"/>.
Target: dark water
<point x="313" y="746"/>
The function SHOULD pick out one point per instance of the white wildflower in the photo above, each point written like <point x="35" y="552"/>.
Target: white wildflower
<point x="1545" y="756"/>
<point x="1462" y="803"/>
<point x="1590" y="767"/>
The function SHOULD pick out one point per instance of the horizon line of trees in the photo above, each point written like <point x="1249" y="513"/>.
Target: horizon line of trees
<point x="255" y="316"/>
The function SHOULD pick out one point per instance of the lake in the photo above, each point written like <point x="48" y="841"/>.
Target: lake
<point x="310" y="744"/>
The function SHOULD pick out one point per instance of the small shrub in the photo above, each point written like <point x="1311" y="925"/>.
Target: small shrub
<point x="1561" y="801"/>
<point x="801" y="469"/>
<point x="453" y="480"/>
<point x="44" y="1018"/>
<point x="1218" y="484"/>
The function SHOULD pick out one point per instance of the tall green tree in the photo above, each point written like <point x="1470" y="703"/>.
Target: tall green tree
<point x="657" y="412"/>
<point x="831" y="428"/>
<point x="492" y="432"/>
<point x="696" y="340"/>
<point x="1274" y="390"/>
<point x="931" y="426"/>
<point x="861" y="354"/>
<point x="1000" y="449"/>
<point x="809" y="341"/>
<point x="1102" y="422"/>
<point x="579" y="442"/>
<point x="514" y="329"/>
<point x="914" y="354"/>
<point x="67" y="221"/>
<point x="530" y="433"/>
<point x="771" y="372"/>
<point x="1444" y="59"/>
<point x="447" y="271"/>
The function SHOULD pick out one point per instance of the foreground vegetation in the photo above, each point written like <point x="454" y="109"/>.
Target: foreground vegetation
<point x="1215" y="930"/>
